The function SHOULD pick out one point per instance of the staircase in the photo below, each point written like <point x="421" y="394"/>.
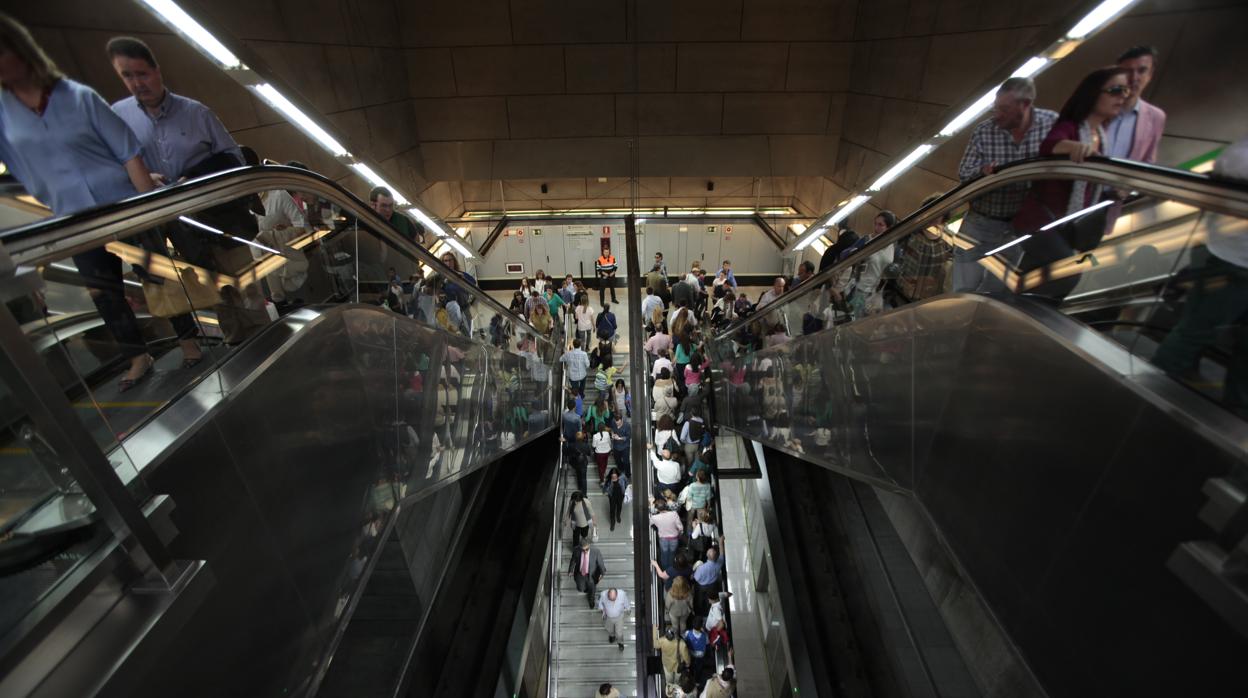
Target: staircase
<point x="584" y="660"/>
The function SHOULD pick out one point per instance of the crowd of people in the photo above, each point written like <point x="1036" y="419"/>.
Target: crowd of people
<point x="681" y="448"/>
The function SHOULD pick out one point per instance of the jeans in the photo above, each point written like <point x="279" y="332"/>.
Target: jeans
<point x="578" y="386"/>
<point x="969" y="276"/>
<point x="667" y="551"/>
<point x="622" y="462"/>
<point x="101" y="271"/>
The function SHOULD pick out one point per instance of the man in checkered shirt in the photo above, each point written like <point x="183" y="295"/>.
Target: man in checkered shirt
<point x="1014" y="132"/>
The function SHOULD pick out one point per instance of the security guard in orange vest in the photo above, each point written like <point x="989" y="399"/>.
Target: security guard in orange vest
<point x="605" y="266"/>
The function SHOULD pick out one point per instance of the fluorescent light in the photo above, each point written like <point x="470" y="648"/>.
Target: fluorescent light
<point x="194" y="31"/>
<point x="375" y="179"/>
<point x="1097" y="17"/>
<point x="841" y="214"/>
<point x="1008" y="245"/>
<point x="1033" y="65"/>
<point x="798" y="228"/>
<point x="459" y="247"/>
<point x="1078" y="214"/>
<point x="896" y="170"/>
<point x="305" y="123"/>
<point x="197" y="224"/>
<point x="970" y="113"/>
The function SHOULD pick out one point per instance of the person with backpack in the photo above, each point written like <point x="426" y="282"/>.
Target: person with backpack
<point x="691" y="433"/>
<point x="606" y="324"/>
<point x="598" y="415"/>
<point x="697" y="640"/>
<point x="621" y="400"/>
<point x="616" y="486"/>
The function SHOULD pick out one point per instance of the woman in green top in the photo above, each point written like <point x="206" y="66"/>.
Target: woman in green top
<point x="598" y="414"/>
<point x="554" y="301"/>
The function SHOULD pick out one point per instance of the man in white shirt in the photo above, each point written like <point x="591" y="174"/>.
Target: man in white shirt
<point x="614" y="606"/>
<point x="667" y="471"/>
<point x="661" y="363"/>
<point x="773" y="293"/>
<point x="649" y="304"/>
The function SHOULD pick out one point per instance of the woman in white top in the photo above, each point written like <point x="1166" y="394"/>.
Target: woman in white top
<point x="861" y="287"/>
<point x="602" y="452"/>
<point x="664" y="430"/>
<point x="540" y="281"/>
<point x="584" y="321"/>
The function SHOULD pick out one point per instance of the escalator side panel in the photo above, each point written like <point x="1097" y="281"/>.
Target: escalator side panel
<point x="1057" y="477"/>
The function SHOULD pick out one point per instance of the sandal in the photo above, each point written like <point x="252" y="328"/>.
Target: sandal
<point x="127" y="383"/>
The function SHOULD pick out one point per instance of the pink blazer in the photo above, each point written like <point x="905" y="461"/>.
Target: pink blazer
<point x="1148" y="129"/>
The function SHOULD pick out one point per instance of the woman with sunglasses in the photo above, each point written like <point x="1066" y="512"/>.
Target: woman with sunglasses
<point x="1079" y="133"/>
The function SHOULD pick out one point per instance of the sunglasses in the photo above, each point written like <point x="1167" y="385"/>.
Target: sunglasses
<point x="1118" y="91"/>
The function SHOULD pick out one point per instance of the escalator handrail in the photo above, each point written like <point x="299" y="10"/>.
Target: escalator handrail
<point x="1202" y="191"/>
<point x="49" y="240"/>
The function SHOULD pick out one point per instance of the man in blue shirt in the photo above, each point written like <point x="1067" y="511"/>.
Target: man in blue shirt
<point x="177" y="133"/>
<point x="706" y="580"/>
<point x="621" y="441"/>
<point x="576" y="361"/>
<point x="181" y="139"/>
<point x="728" y="276"/>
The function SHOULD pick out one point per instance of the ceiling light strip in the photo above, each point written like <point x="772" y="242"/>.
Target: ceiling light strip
<point x="209" y="45"/>
<point x="1095" y="20"/>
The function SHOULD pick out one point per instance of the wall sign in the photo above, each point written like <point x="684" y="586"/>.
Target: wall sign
<point x="537" y="231"/>
<point x="577" y="230"/>
<point x="515" y="267"/>
<point x="712" y="228"/>
<point x="606" y="231"/>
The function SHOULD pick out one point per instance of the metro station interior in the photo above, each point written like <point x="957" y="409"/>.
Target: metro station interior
<point x="906" y="339"/>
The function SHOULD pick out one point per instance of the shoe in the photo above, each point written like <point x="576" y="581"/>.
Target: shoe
<point x="126" y="384"/>
<point x="621" y="646"/>
<point x="591" y="604"/>
<point x="612" y="525"/>
<point x="612" y="639"/>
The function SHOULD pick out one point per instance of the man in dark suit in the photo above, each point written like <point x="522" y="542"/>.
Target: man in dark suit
<point x="586" y="568"/>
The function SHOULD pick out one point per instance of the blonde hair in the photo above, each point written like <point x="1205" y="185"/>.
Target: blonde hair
<point x="16" y="38"/>
<point x="680" y="588"/>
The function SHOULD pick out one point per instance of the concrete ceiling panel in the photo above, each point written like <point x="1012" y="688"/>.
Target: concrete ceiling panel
<point x="80" y="54"/>
<point x="568" y="21"/>
<point x="353" y="125"/>
<point x="808" y="194"/>
<point x="896" y="67"/>
<point x="703" y="156"/>
<point x="458" y="160"/>
<point x="367" y="22"/>
<point x="614" y="67"/>
<point x="954" y="16"/>
<point x="777" y="186"/>
<point x="304" y="67"/>
<point x="819" y="67"/>
<point x="393" y="128"/>
<point x="255" y="19"/>
<point x="903" y="124"/>
<point x="668" y="114"/>
<point x="115" y="17"/>
<point x="724" y="186"/>
<point x="955" y="63"/>
<point x="862" y="119"/>
<point x="439" y="23"/>
<point x="776" y="113"/>
<point x="701" y="20"/>
<point x="804" y="155"/>
<point x="430" y="72"/>
<point x="944" y="160"/>
<point x="560" y="116"/>
<point x="509" y="70"/>
<point x="561" y="157"/>
<point x="904" y="195"/>
<point x="1211" y="38"/>
<point x="442" y="199"/>
<point x="316" y="21"/>
<point x="461" y="118"/>
<point x="406" y="172"/>
<point x="556" y="188"/>
<point x="280" y="142"/>
<point x="798" y="20"/>
<point x="836" y="113"/>
<point x="647" y="186"/>
<point x="342" y="68"/>
<point x="921" y="17"/>
<point x="879" y="19"/>
<point x="731" y="67"/>
<point x="381" y="74"/>
<point x="479" y="190"/>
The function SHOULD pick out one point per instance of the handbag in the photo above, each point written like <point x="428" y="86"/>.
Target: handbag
<point x="172" y="299"/>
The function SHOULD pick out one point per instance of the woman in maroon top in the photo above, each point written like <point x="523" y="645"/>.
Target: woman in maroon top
<point x="1079" y="133"/>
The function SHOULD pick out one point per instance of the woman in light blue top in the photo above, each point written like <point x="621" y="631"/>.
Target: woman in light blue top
<point x="61" y="140"/>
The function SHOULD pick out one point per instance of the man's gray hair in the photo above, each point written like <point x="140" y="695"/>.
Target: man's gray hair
<point x="1022" y="88"/>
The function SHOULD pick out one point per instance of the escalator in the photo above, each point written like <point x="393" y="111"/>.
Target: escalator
<point x="1073" y="509"/>
<point x="333" y="472"/>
